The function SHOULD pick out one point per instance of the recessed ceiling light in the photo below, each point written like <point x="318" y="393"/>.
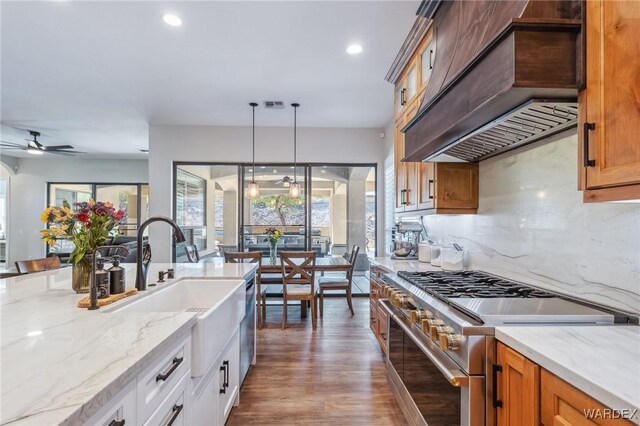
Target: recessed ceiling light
<point x="354" y="49"/>
<point x="172" y="20"/>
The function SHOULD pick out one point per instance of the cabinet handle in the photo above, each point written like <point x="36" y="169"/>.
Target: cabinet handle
<point x="223" y="368"/>
<point x="497" y="403"/>
<point x="164" y="376"/>
<point x="429" y="186"/>
<point x="402" y="99"/>
<point x="115" y="422"/>
<point x="586" y="128"/>
<point x="176" y="412"/>
<point x="226" y="373"/>
<point x="384" y="335"/>
<point x="430" y="59"/>
<point x="373" y="320"/>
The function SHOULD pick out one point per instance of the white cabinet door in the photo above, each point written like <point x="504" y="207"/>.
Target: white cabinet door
<point x="120" y="410"/>
<point x="230" y="379"/>
<point x="205" y="397"/>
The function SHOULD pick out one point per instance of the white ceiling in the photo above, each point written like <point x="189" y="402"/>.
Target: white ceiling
<point x="96" y="74"/>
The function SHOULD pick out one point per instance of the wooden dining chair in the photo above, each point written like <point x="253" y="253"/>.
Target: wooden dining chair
<point x="261" y="293"/>
<point x="337" y="283"/>
<point x="298" y="282"/>
<point x="38" y="265"/>
<point x="191" y="251"/>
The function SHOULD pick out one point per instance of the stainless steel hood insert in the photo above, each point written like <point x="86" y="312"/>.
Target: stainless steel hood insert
<point x="534" y="120"/>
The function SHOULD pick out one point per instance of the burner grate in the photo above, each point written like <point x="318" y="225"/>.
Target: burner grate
<point x="470" y="284"/>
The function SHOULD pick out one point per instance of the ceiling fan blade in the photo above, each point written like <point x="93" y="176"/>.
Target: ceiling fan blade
<point x="5" y="144"/>
<point x="65" y="153"/>
<point x="56" y="147"/>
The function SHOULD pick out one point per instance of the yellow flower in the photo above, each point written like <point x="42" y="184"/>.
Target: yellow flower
<point x="44" y="217"/>
<point x="92" y="202"/>
<point x="108" y="204"/>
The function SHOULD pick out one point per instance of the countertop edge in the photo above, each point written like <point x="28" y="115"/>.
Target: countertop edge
<point x="577" y="380"/>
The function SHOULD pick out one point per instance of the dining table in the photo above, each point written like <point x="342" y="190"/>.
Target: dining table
<point x="323" y="264"/>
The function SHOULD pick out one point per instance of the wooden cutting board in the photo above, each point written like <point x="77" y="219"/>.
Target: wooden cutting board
<point x="85" y="302"/>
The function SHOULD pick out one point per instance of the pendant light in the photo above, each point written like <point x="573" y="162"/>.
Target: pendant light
<point x="294" y="188"/>
<point x="253" y="190"/>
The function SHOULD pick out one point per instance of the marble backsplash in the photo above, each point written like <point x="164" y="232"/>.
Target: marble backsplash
<point x="532" y="226"/>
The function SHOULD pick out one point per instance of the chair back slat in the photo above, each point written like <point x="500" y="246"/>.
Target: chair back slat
<point x="352" y="260"/>
<point x="191" y="251"/>
<point x="298" y="268"/>
<point x="38" y="265"/>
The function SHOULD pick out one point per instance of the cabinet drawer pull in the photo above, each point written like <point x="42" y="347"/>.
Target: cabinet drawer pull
<point x="497" y="403"/>
<point x="176" y="363"/>
<point x="115" y="422"/>
<point x="430" y="186"/>
<point x="223" y="368"/>
<point x="176" y="412"/>
<point x="402" y="98"/>
<point x="226" y="374"/>
<point x="586" y="128"/>
<point x="430" y="59"/>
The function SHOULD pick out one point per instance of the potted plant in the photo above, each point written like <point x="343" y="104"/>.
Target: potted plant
<point x="88" y="226"/>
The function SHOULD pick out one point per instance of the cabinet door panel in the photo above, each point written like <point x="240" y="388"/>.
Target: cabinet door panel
<point x="517" y="388"/>
<point x="400" y="168"/>
<point x="612" y="96"/>
<point x="427" y="186"/>
<point x="562" y="404"/>
<point x="456" y="186"/>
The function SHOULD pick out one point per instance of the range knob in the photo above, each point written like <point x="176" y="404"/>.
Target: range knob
<point x="436" y="330"/>
<point x="430" y="322"/>
<point x="450" y="341"/>
<point x="418" y="315"/>
<point x="401" y="301"/>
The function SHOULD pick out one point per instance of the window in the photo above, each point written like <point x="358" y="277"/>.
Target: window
<point x="191" y="208"/>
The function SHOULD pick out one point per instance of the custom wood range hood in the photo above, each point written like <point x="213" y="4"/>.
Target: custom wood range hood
<point x="506" y="73"/>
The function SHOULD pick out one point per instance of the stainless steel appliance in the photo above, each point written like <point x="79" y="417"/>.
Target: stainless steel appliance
<point x="441" y="349"/>
<point x="405" y="237"/>
<point x="248" y="331"/>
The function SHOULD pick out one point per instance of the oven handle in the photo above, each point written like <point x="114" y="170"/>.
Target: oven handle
<point x="452" y="373"/>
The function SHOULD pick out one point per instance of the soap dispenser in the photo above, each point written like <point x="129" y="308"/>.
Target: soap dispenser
<point x="117" y="276"/>
<point x="102" y="281"/>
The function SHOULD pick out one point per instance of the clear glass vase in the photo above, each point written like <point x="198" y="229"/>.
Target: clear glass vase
<point x="273" y="253"/>
<point x="81" y="275"/>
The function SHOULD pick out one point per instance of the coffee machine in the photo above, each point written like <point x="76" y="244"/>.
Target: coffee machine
<point x="405" y="237"/>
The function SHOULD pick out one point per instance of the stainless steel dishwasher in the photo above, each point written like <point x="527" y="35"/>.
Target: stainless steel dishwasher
<point x="248" y="330"/>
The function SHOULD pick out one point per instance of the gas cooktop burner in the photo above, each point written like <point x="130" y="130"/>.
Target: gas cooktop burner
<point x="470" y="284"/>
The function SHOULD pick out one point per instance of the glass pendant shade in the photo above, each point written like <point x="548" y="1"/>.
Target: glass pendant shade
<point x="286" y="184"/>
<point x="294" y="190"/>
<point x="253" y="190"/>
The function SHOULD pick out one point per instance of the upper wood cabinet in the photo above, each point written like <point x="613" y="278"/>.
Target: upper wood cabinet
<point x="448" y="187"/>
<point x="609" y="128"/>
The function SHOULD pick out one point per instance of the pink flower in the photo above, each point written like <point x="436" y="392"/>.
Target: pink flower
<point x="119" y="215"/>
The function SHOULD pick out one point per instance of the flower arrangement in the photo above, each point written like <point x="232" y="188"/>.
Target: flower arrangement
<point x="88" y="225"/>
<point x="273" y="235"/>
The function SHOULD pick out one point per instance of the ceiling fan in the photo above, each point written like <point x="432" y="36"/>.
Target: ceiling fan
<point x="35" y="147"/>
<point x="285" y="181"/>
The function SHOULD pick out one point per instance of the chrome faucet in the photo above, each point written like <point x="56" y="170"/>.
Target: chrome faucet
<point x="144" y="257"/>
<point x="93" y="291"/>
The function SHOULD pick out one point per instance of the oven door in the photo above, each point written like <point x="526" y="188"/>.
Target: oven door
<point x="429" y="386"/>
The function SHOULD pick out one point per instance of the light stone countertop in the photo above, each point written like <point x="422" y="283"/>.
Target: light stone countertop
<point x="601" y="361"/>
<point x="60" y="363"/>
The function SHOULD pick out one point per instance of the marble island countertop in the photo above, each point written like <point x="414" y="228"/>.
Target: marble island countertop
<point x="60" y="363"/>
<point x="395" y="265"/>
<point x="601" y="361"/>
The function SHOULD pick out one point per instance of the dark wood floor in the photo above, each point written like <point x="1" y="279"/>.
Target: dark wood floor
<point x="333" y="376"/>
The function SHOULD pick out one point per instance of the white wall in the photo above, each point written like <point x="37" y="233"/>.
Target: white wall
<point x="28" y="193"/>
<point x="533" y="226"/>
<point x="233" y="145"/>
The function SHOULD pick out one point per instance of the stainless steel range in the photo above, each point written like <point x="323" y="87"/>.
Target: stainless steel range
<point x="441" y="349"/>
